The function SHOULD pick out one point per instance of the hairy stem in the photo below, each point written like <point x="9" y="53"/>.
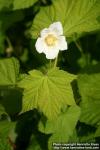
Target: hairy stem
<point x="86" y="56"/>
<point x="55" y="63"/>
<point x="79" y="47"/>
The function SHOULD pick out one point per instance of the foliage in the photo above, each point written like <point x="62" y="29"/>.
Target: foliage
<point x="41" y="101"/>
<point x="9" y="71"/>
<point x="62" y="128"/>
<point x="47" y="92"/>
<point x="17" y="4"/>
<point x="90" y="98"/>
<point x="85" y="14"/>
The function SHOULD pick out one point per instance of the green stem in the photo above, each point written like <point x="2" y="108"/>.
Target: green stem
<point x="9" y="42"/>
<point x="55" y="63"/>
<point x="79" y="47"/>
<point x="10" y="47"/>
<point x="50" y="63"/>
<point x="44" y="1"/>
<point x="86" y="56"/>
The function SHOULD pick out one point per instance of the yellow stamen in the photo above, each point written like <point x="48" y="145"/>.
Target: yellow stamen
<point x="50" y="40"/>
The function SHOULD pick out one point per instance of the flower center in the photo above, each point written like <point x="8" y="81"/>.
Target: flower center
<point x="50" y="40"/>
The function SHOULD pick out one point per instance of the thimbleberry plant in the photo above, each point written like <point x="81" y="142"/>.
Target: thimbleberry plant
<point x="49" y="74"/>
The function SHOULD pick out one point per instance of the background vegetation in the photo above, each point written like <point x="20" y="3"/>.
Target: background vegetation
<point x="33" y="112"/>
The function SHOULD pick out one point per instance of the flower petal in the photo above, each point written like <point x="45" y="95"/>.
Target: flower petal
<point x="40" y="45"/>
<point x="51" y="53"/>
<point x="56" y="27"/>
<point x="44" y="32"/>
<point x="62" y="43"/>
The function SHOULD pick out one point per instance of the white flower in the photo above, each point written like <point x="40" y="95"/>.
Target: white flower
<point x="51" y="40"/>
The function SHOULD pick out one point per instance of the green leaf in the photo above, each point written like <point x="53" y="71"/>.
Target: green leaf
<point x="47" y="92"/>
<point x="21" y="4"/>
<point x="9" y="71"/>
<point x="6" y="127"/>
<point x="33" y="144"/>
<point x="11" y="96"/>
<point x="64" y="126"/>
<point x="50" y="126"/>
<point x="89" y="88"/>
<point x="97" y="133"/>
<point x="74" y="137"/>
<point x="80" y="138"/>
<point x="4" y="144"/>
<point x="77" y="17"/>
<point x="88" y="138"/>
<point x="5" y="5"/>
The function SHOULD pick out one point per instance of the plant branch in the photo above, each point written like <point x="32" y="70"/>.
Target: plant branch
<point x="79" y="47"/>
<point x="9" y="42"/>
<point x="9" y="48"/>
<point x="55" y="63"/>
